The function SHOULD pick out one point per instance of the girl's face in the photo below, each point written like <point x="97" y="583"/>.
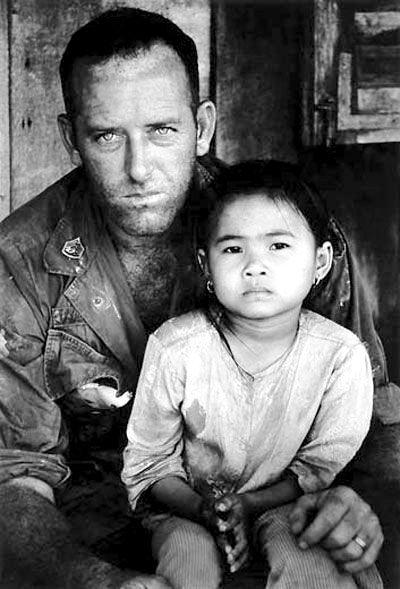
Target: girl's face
<point x="263" y="259"/>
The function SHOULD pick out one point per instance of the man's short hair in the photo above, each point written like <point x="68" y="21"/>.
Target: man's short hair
<point x="125" y="32"/>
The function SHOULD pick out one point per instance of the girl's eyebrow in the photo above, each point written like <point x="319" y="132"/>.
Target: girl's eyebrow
<point x="228" y="238"/>
<point x="277" y="233"/>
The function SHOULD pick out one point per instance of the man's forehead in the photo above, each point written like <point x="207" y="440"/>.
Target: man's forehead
<point x="156" y="72"/>
<point x="155" y="60"/>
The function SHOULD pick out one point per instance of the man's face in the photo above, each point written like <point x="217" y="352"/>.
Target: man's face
<point x="135" y="133"/>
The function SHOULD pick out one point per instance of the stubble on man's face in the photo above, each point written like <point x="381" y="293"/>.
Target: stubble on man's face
<point x="136" y="136"/>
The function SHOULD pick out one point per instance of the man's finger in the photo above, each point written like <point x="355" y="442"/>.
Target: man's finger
<point x="358" y="518"/>
<point x="368" y="557"/>
<point x="367" y="560"/>
<point x="343" y="533"/>
<point x="331" y="510"/>
<point x="300" y="514"/>
<point x="348" y="553"/>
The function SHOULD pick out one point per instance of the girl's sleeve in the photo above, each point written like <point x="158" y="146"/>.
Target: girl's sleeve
<point x="341" y="424"/>
<point x="155" y="427"/>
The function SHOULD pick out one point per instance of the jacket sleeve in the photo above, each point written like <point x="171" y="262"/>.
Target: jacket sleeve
<point x="155" y="427"/>
<point x="31" y="442"/>
<point x="341" y="424"/>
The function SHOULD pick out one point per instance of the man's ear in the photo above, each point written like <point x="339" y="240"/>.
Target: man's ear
<point x="324" y="260"/>
<point x="202" y="260"/>
<point x="68" y="139"/>
<point x="206" y="119"/>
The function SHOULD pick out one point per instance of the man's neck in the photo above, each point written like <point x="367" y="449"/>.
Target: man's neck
<point x="129" y="242"/>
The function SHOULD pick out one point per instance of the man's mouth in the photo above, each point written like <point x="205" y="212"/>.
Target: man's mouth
<point x="143" y="199"/>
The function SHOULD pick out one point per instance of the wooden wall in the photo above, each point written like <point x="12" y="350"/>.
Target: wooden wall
<point x="257" y="91"/>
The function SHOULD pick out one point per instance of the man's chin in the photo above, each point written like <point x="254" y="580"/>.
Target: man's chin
<point x="149" y="227"/>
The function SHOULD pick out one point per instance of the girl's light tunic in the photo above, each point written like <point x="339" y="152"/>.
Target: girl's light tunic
<point x="197" y="415"/>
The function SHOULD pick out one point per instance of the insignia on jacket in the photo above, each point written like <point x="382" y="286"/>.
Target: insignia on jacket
<point x="73" y="248"/>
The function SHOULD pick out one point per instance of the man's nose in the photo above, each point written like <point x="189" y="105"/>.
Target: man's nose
<point x="138" y="160"/>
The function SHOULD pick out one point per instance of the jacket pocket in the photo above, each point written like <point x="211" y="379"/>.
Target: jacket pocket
<point x="70" y="362"/>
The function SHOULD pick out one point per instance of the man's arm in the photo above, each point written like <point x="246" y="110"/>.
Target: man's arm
<point x="39" y="547"/>
<point x="333" y="518"/>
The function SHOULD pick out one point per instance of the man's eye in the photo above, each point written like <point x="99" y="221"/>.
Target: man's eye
<point x="232" y="249"/>
<point x="279" y="246"/>
<point x="106" y="138"/>
<point x="163" y="131"/>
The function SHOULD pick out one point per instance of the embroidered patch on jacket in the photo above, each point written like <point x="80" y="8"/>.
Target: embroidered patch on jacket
<point x="73" y="249"/>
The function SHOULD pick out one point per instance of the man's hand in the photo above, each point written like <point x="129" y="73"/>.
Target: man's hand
<point x="232" y="524"/>
<point x="146" y="582"/>
<point x="333" y="518"/>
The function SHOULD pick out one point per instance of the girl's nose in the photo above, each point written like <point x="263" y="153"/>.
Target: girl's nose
<point x="255" y="267"/>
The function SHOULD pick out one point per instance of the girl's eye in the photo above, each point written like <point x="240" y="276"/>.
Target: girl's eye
<point x="232" y="249"/>
<point x="279" y="246"/>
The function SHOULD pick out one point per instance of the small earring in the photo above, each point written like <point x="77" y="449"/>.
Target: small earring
<point x="210" y="286"/>
<point x="317" y="280"/>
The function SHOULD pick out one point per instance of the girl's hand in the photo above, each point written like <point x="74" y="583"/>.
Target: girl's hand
<point x="232" y="529"/>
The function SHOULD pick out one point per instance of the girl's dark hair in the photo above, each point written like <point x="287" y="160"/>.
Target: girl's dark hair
<point x="280" y="180"/>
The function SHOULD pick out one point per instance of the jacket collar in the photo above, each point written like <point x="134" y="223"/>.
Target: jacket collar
<point x="72" y="245"/>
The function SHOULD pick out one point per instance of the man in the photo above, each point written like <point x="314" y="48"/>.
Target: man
<point x="88" y="269"/>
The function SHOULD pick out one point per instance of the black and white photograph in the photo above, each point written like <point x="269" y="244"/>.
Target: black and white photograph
<point x="199" y="294"/>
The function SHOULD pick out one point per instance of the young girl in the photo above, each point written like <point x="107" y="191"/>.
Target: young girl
<point x="253" y="398"/>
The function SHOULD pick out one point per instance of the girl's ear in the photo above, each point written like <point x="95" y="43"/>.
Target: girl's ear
<point x="202" y="260"/>
<point x="205" y="120"/>
<point x="324" y="261"/>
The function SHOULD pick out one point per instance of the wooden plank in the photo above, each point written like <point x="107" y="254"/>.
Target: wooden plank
<point x="321" y="36"/>
<point x="370" y="24"/>
<point x="356" y="122"/>
<point x="326" y="27"/>
<point x="4" y="112"/>
<point x="350" y="137"/>
<point x="40" y="30"/>
<point x="378" y="100"/>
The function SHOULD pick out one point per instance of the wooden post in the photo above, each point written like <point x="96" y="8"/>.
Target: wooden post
<point x="5" y="205"/>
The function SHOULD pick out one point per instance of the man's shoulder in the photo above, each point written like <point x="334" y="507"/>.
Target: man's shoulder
<point x="321" y="328"/>
<point x="35" y="220"/>
<point x="183" y="330"/>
